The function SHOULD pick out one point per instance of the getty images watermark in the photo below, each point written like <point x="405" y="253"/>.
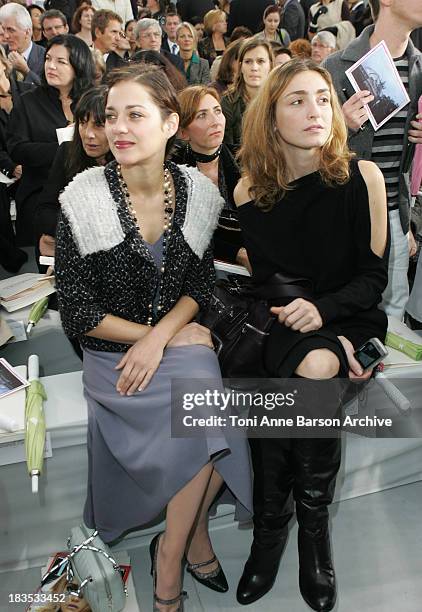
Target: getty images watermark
<point x="288" y="408"/>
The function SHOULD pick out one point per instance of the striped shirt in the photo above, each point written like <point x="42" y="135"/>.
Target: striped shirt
<point x="388" y="142"/>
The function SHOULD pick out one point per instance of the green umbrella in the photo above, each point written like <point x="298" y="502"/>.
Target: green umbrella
<point x="34" y="422"/>
<point x="37" y="311"/>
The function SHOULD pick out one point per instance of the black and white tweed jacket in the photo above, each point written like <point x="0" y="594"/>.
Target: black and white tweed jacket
<point x="104" y="267"/>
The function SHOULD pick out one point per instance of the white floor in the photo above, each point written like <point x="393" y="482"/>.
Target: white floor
<point x="377" y="542"/>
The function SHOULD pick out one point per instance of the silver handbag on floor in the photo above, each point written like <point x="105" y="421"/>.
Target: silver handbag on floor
<point x="90" y="564"/>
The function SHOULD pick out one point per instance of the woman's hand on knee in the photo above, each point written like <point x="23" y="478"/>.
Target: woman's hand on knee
<point x="355" y="369"/>
<point x="139" y="365"/>
<point x="300" y="315"/>
<point x="192" y="333"/>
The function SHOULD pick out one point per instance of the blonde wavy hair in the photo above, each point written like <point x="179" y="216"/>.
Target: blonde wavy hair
<point x="262" y="157"/>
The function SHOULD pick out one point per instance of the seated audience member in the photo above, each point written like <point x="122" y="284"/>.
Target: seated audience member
<point x="201" y="129"/>
<point x="387" y="146"/>
<point x="326" y="13"/>
<point x="32" y="136"/>
<point x="36" y="11"/>
<point x="323" y="44"/>
<point x="281" y="54"/>
<point x="89" y="147"/>
<point x="293" y="19"/>
<point x="99" y="65"/>
<point x="255" y="62"/>
<point x="53" y="23"/>
<point x="144" y="13"/>
<point x="115" y="300"/>
<point x="11" y="257"/>
<point x="82" y="23"/>
<point x="67" y="7"/>
<point x="301" y="47"/>
<point x="155" y="58"/>
<point x="26" y="57"/>
<point x="169" y="38"/>
<point x="272" y="31"/>
<point x="215" y="40"/>
<point x="240" y="32"/>
<point x="247" y="14"/>
<point x="123" y="8"/>
<point x="196" y="69"/>
<point x="198" y="24"/>
<point x="224" y="5"/>
<point x="105" y="29"/>
<point x="130" y="28"/>
<point x="149" y="37"/>
<point x="227" y="67"/>
<point x="158" y="10"/>
<point x="300" y="186"/>
<point x="191" y="9"/>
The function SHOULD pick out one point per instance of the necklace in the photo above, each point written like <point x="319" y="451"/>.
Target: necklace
<point x="205" y="159"/>
<point x="167" y="224"/>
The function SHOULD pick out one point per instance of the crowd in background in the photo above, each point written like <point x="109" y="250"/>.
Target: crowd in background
<point x="245" y="142"/>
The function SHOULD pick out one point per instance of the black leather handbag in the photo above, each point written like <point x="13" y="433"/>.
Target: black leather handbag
<point x="240" y="320"/>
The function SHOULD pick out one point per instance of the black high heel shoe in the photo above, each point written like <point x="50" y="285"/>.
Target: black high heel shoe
<point x="215" y="580"/>
<point x="153" y="551"/>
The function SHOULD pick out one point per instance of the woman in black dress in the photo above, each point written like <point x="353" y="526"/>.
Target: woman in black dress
<point x="309" y="211"/>
<point x="32" y="137"/>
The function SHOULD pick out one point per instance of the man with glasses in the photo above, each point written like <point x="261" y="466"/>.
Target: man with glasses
<point x="323" y="44"/>
<point x="148" y="34"/>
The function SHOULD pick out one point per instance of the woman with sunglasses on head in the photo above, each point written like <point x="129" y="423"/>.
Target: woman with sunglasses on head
<point x="133" y="268"/>
<point x="313" y="215"/>
<point x="202" y="131"/>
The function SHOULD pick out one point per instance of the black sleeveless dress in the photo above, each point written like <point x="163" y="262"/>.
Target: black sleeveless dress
<point x="321" y="233"/>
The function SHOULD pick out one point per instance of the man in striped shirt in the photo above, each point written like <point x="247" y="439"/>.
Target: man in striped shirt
<point x="389" y="146"/>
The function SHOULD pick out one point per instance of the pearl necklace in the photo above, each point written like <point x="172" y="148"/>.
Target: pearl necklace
<point x="167" y="225"/>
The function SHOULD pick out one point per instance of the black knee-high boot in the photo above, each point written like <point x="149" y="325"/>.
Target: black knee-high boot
<point x="316" y="463"/>
<point x="273" y="481"/>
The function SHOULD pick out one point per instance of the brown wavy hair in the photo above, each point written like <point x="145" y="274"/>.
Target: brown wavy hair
<point x="238" y="88"/>
<point x="261" y="154"/>
<point x="190" y="99"/>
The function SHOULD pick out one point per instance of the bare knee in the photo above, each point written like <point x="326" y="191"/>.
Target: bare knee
<point x="319" y="364"/>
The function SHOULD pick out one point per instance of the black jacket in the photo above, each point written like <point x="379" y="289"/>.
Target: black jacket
<point x="32" y="142"/>
<point x="293" y="20"/>
<point x="227" y="239"/>
<point x="247" y="13"/>
<point x="11" y="258"/>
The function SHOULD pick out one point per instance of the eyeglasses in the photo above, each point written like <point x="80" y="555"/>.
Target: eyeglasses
<point x="150" y="35"/>
<point x="320" y="45"/>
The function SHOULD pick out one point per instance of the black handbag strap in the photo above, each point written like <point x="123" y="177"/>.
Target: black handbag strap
<point x="282" y="286"/>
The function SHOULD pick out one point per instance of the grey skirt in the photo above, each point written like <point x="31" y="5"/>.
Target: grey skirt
<point x="134" y="465"/>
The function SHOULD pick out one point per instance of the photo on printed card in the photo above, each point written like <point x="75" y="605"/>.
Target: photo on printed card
<point x="376" y="72"/>
<point x="10" y="381"/>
